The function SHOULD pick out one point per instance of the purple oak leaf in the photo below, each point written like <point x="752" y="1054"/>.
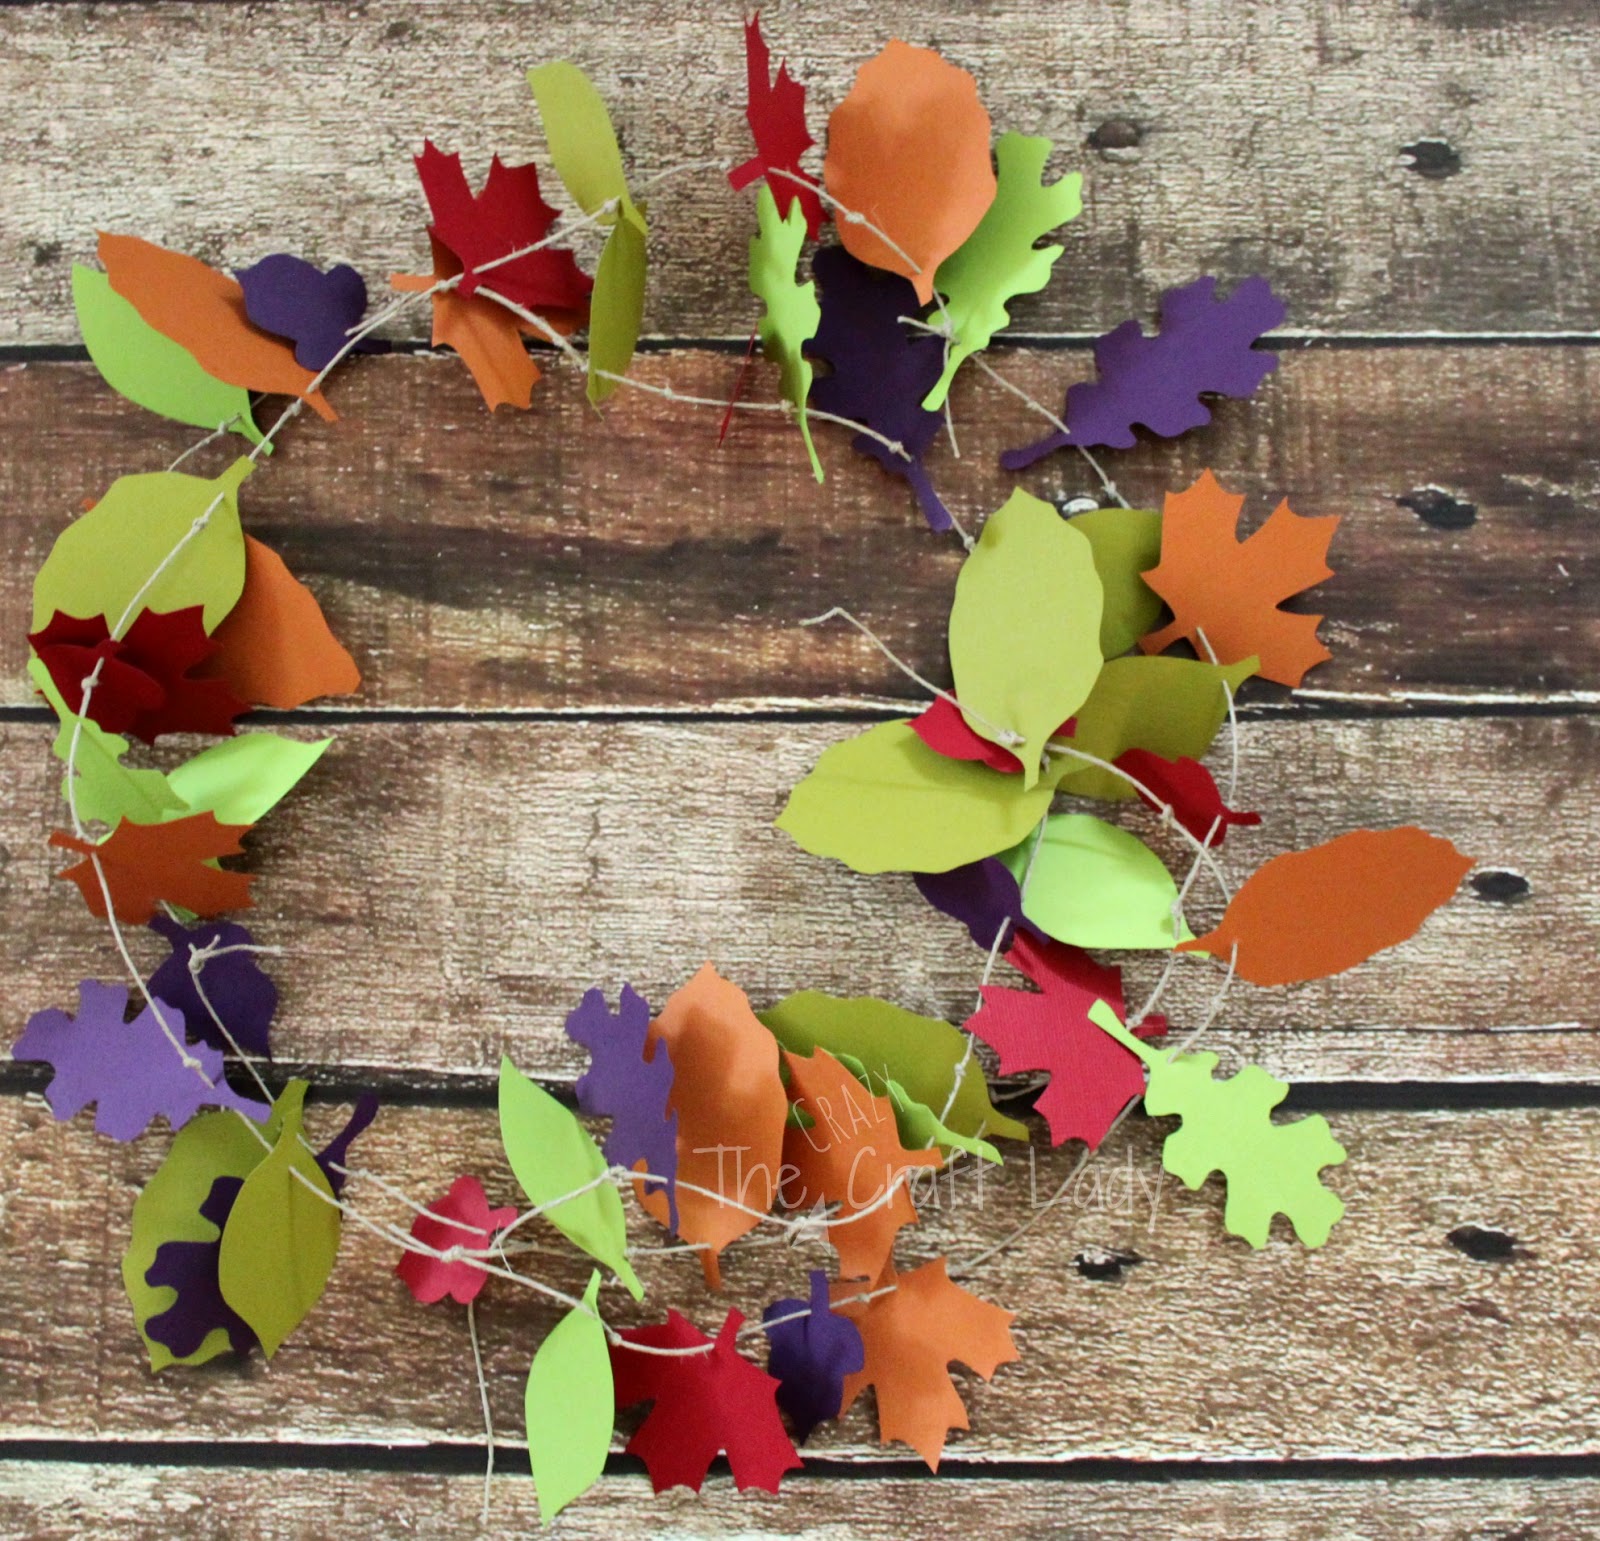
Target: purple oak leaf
<point x="333" y="1156"/>
<point x="240" y="993"/>
<point x="190" y="1268"/>
<point x="628" y="1085"/>
<point x="880" y="370"/>
<point x="811" y="1355"/>
<point x="1204" y="345"/>
<point x="981" y="895"/>
<point x="130" y="1069"/>
<point x="296" y="300"/>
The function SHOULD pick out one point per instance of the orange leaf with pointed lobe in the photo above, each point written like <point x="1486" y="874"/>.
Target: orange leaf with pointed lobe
<point x="145" y="864"/>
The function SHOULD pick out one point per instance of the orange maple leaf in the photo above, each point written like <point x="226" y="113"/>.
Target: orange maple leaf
<point x="146" y="863"/>
<point x="910" y="1337"/>
<point x="1231" y="589"/>
<point x="851" y="1156"/>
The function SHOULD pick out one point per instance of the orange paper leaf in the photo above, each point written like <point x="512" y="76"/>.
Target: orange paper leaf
<point x="1312" y="913"/>
<point x="1230" y="589"/>
<point x="145" y="864"/>
<point x="908" y="148"/>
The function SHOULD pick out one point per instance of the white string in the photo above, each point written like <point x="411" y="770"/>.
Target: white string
<point x="483" y="1400"/>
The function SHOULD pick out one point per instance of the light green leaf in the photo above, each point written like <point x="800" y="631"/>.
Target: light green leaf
<point x="1095" y="885"/>
<point x="616" y="307"/>
<point x="577" y="127"/>
<point x="792" y="313"/>
<point x="885" y="802"/>
<point x="917" y="1124"/>
<point x="281" y="1238"/>
<point x="569" y="1407"/>
<point x="104" y="558"/>
<point x="1025" y="628"/>
<point x="1126" y="543"/>
<point x="551" y="1154"/>
<point x="999" y="260"/>
<point x="241" y="778"/>
<point x="147" y="367"/>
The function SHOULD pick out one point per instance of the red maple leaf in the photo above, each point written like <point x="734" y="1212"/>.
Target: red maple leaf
<point x="776" y="113"/>
<point x="705" y="1404"/>
<point x="1188" y="788"/>
<point x="144" y="864"/>
<point x="945" y="731"/>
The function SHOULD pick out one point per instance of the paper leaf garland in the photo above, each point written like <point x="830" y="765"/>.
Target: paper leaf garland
<point x="811" y="1355"/>
<point x="705" y="1405"/>
<point x="1231" y="589"/>
<point x="466" y="1221"/>
<point x="240" y="993"/>
<point x="244" y="778"/>
<point x="1125" y="542"/>
<point x="1308" y="914"/>
<point x="568" y="1407"/>
<point x="144" y="864"/>
<point x="316" y="311"/>
<point x="776" y="113"/>
<point x="1187" y="787"/>
<point x="791" y="312"/>
<point x="909" y="149"/>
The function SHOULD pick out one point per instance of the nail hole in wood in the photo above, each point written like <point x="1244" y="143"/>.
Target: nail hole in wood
<point x="1432" y="158"/>
<point x="1434" y="506"/>
<point x="1116" y="134"/>
<point x="1105" y="1262"/>
<point x="1499" y="886"/>
<point x="1483" y="1244"/>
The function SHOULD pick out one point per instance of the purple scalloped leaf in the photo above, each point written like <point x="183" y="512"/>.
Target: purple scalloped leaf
<point x="880" y="371"/>
<point x="1204" y="345"/>
<point x="129" y="1069"/>
<point x="243" y="996"/>
<point x="982" y="895"/>
<point x="336" y="1152"/>
<point x="811" y="1355"/>
<point x="190" y="1268"/>
<point x="628" y="1081"/>
<point x="294" y="299"/>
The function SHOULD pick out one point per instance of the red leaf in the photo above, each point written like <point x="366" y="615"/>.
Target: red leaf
<point x="70" y="648"/>
<point x="431" y="1278"/>
<point x="1187" y="787"/>
<point x="705" y="1404"/>
<point x="945" y="731"/>
<point x="146" y="863"/>
<point x="776" y="112"/>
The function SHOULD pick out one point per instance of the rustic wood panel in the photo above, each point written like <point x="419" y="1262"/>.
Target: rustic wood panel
<point x="561" y="560"/>
<point x="1392" y="166"/>
<point x="449" y="890"/>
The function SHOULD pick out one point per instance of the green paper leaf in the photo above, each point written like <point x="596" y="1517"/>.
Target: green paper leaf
<point x="1095" y="885"/>
<point x="281" y="1238"/>
<point x="616" y="307"/>
<point x="1126" y="542"/>
<point x="919" y="1053"/>
<point x="916" y="1123"/>
<point x="885" y="802"/>
<point x="999" y="260"/>
<point x="792" y="312"/>
<point x="551" y="1153"/>
<point x="241" y="778"/>
<point x="104" y="558"/>
<point x="1025" y="627"/>
<point x="569" y="1407"/>
<point x="577" y="127"/>
<point x="147" y="367"/>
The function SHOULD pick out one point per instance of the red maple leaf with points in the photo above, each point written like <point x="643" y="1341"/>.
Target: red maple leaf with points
<point x="776" y="113"/>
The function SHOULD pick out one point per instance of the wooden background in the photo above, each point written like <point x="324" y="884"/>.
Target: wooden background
<point x="586" y="695"/>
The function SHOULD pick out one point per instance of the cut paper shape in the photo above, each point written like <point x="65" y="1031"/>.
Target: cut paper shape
<point x="203" y="311"/>
<point x="1205" y="345"/>
<point x="1227" y="1127"/>
<point x="731" y="1109"/>
<point x="616" y="312"/>
<point x="705" y="1405"/>
<point x="919" y="1126"/>
<point x="315" y="310"/>
<point x="943" y="729"/>
<point x="910" y="1337"/>
<point x="1231" y="589"/>
<point x="983" y="896"/>
<point x="240" y="993"/>
<point x="629" y="1081"/>
<point x="149" y="369"/>
<point x="72" y="649"/>
<point x="243" y="778"/>
<point x="879" y="371"/>
<point x="333" y="1156"/>
<point x="102" y="562"/>
<point x="282" y="1235"/>
<point x="568" y="1406"/>
<point x="189" y="1269"/>
<point x="1125" y="542"/>
<point x="1001" y="258"/>
<point x="909" y="149"/>
<point x="883" y="801"/>
<point x="466" y="1220"/>
<point x="1025" y="628"/>
<point x="1308" y="914"/>
<point x="1187" y="787"/>
<point x="140" y="865"/>
<point x="791" y="313"/>
<point x="811" y="1355"/>
<point x="923" y="1054"/>
<point x="274" y="647"/>
<point x="551" y="1155"/>
<point x="1094" y="885"/>
<point x="776" y="113"/>
<point x="130" y="1071"/>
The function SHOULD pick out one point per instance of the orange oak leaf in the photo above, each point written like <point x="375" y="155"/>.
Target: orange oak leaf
<point x="731" y="1111"/>
<point x="850" y="1156"/>
<point x="144" y="864"/>
<point x="1231" y="589"/>
<point x="203" y="311"/>
<point x="911" y="1336"/>
<point x="1311" y="913"/>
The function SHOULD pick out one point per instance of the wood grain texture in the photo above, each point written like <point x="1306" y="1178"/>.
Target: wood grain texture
<point x="1215" y="136"/>
<point x="563" y="561"/>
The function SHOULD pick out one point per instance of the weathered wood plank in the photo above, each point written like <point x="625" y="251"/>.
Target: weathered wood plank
<point x="1214" y="136"/>
<point x="565" y="561"/>
<point x="448" y="890"/>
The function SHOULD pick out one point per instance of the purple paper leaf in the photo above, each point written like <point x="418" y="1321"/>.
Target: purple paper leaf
<point x="629" y="1088"/>
<point x="336" y="1152"/>
<point x="981" y="895"/>
<point x="240" y="993"/>
<point x="295" y="299"/>
<point x="129" y="1069"/>
<point x="811" y="1355"/>
<point x="190" y="1268"/>
<point x="1204" y="345"/>
<point x="880" y="370"/>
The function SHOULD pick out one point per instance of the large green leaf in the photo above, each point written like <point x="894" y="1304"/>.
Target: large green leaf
<point x="569" y="1408"/>
<point x="1126" y="543"/>
<point x="791" y="313"/>
<point x="241" y="778"/>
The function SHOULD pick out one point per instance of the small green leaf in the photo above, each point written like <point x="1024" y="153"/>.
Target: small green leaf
<point x="1126" y="542"/>
<point x="616" y="307"/>
<point x="241" y="778"/>
<point x="792" y="313"/>
<point x="917" y="1124"/>
<point x="569" y="1407"/>
<point x="577" y="127"/>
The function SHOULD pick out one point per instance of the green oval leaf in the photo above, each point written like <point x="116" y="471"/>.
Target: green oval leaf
<point x="1126" y="542"/>
<point x="616" y="307"/>
<point x="569" y="1407"/>
<point x="577" y="128"/>
<point x="241" y="778"/>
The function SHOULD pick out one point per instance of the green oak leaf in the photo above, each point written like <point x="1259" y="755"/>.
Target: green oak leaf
<point x="792" y="313"/>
